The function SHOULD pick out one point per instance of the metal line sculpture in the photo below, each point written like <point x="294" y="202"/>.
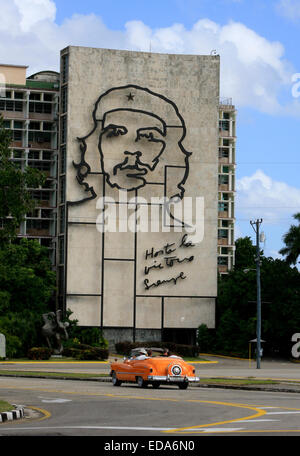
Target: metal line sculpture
<point x="120" y="114"/>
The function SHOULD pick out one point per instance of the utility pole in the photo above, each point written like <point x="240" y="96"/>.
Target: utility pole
<point x="255" y="225"/>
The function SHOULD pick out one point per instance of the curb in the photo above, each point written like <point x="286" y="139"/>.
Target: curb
<point x="12" y="415"/>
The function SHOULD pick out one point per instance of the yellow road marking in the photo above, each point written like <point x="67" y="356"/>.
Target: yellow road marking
<point x="43" y="411"/>
<point x="260" y="412"/>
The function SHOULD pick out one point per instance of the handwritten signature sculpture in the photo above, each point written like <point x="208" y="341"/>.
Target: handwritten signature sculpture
<point x="55" y="329"/>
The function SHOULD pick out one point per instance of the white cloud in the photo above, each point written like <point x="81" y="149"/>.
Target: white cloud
<point x="259" y="196"/>
<point x="289" y="9"/>
<point x="34" y="11"/>
<point x="253" y="69"/>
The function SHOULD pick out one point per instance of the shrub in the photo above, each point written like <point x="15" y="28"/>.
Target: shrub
<point x="100" y="354"/>
<point x="86" y="352"/>
<point x="39" y="353"/>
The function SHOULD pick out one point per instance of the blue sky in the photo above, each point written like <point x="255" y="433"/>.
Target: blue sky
<point x="258" y="44"/>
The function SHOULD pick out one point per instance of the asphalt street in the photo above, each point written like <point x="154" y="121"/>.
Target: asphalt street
<point x="68" y="408"/>
<point x="96" y="408"/>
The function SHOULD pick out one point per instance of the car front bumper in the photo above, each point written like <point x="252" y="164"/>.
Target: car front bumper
<point x="171" y="379"/>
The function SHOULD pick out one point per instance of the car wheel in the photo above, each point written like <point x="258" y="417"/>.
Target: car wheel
<point x="115" y="380"/>
<point x="156" y="385"/>
<point x="183" y="385"/>
<point x="141" y="382"/>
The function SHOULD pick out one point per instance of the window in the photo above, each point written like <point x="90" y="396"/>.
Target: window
<point x="63" y="129"/>
<point x="40" y="165"/>
<point x="223" y="179"/>
<point x="61" y="250"/>
<point x="64" y="99"/>
<point x="8" y="105"/>
<point x="223" y="261"/>
<point x="62" y="191"/>
<point x="65" y="68"/>
<point x="46" y="242"/>
<point x="63" y="159"/>
<point x="34" y="126"/>
<point x="47" y="126"/>
<point x="35" y="154"/>
<point x="38" y="224"/>
<point x="35" y="96"/>
<point x="17" y="135"/>
<point x="223" y="153"/>
<point x="17" y="153"/>
<point x="224" y="250"/>
<point x="225" y="169"/>
<point x="19" y="95"/>
<point x="222" y="207"/>
<point x="41" y="196"/>
<point x="62" y="218"/>
<point x="18" y="124"/>
<point x="47" y="97"/>
<point x="223" y="234"/>
<point x="46" y="213"/>
<point x="42" y="108"/>
<point x="39" y="137"/>
<point x="47" y="155"/>
<point x="224" y="125"/>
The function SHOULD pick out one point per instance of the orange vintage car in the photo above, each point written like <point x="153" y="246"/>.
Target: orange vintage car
<point x="156" y="370"/>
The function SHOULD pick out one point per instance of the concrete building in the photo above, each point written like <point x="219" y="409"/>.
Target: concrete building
<point x="143" y="284"/>
<point x="227" y="164"/>
<point x="30" y="109"/>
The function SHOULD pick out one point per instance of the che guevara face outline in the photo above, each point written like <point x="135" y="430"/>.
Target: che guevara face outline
<point x="139" y="164"/>
<point x="130" y="145"/>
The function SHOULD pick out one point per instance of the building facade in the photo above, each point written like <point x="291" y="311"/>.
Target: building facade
<point x="29" y="107"/>
<point x="146" y="131"/>
<point x="226" y="183"/>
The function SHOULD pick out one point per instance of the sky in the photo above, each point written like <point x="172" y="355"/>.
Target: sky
<point x="257" y="41"/>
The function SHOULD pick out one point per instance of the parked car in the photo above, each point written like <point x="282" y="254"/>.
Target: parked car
<point x="157" y="369"/>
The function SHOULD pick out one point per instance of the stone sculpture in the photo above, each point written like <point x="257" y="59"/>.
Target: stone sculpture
<point x="55" y="329"/>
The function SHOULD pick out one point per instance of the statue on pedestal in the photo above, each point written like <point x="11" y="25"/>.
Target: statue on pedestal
<point x="55" y="329"/>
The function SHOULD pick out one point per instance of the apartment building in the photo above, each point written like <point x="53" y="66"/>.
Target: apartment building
<point x="226" y="176"/>
<point x="29" y="107"/>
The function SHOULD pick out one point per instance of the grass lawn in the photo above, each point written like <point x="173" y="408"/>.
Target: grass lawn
<point x="5" y="406"/>
<point x="51" y="374"/>
<point x="237" y="381"/>
<point x="70" y="375"/>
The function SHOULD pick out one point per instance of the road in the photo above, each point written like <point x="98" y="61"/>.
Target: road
<point x="80" y="408"/>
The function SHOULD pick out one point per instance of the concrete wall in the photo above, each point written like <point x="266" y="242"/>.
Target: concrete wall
<point x="171" y="107"/>
<point x="10" y="74"/>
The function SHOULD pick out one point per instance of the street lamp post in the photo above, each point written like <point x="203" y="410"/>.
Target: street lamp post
<point x="255" y="225"/>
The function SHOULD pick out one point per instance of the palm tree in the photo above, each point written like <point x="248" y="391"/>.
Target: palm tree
<point x="292" y="242"/>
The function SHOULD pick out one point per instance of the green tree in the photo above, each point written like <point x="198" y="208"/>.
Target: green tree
<point x="27" y="282"/>
<point x="292" y="242"/>
<point x="236" y="304"/>
<point x="15" y="195"/>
